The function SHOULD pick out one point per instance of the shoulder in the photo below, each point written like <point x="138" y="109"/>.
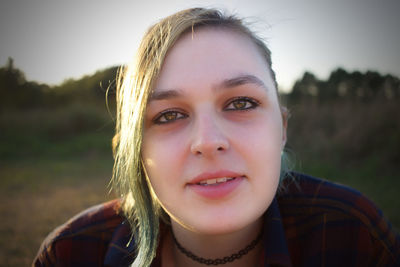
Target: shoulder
<point x="339" y="218"/>
<point x="83" y="238"/>
<point x="311" y="194"/>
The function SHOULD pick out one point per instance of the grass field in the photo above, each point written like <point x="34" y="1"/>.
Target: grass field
<point x="36" y="195"/>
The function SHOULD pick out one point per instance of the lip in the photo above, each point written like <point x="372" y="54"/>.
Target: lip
<point x="216" y="191"/>
<point x="214" y="175"/>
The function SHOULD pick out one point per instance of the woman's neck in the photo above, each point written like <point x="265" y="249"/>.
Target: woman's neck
<point x="212" y="246"/>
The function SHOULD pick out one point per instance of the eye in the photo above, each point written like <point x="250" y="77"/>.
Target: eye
<point x="168" y="116"/>
<point x="242" y="103"/>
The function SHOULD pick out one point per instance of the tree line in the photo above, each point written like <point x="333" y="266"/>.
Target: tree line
<point x="343" y="85"/>
<point x="19" y="93"/>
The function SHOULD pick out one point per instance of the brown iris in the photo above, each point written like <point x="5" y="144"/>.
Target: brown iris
<point x="240" y="104"/>
<point x="170" y="116"/>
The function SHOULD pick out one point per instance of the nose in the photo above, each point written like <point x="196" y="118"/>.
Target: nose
<point x="209" y="138"/>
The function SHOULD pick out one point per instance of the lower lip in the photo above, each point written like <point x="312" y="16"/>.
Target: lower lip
<point x="217" y="191"/>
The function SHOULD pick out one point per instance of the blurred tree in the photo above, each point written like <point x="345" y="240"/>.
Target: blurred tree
<point x="305" y="88"/>
<point x="15" y="91"/>
<point x="89" y="88"/>
<point x="344" y="86"/>
<point x="18" y="93"/>
<point x="335" y="86"/>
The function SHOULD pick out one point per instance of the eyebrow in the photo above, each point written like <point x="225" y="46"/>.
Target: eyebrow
<point x="165" y="94"/>
<point x="225" y="84"/>
<point x="241" y="80"/>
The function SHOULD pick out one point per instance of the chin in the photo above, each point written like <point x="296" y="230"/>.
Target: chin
<point x="222" y="224"/>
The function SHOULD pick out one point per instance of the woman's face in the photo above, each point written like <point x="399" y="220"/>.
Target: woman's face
<point x="213" y="133"/>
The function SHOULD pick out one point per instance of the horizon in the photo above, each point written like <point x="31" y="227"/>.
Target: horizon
<point x="287" y="91"/>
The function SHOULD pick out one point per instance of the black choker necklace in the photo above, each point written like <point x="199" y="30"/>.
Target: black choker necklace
<point x="224" y="260"/>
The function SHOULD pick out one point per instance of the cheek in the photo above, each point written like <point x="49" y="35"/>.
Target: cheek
<point x="262" y="149"/>
<point x="162" y="151"/>
<point x="262" y="139"/>
<point x="163" y="160"/>
<point x="264" y="166"/>
<point x="264" y="158"/>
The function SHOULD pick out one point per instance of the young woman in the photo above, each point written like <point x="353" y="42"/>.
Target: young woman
<point x="199" y="164"/>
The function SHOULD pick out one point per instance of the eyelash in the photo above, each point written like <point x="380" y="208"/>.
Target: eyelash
<point x="162" y="116"/>
<point x="247" y="100"/>
<point x="162" y="119"/>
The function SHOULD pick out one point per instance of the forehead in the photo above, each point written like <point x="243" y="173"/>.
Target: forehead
<point x="212" y="54"/>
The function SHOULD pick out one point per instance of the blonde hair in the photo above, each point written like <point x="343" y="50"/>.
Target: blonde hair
<point x="134" y="86"/>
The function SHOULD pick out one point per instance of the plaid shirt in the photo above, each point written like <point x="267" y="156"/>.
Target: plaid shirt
<point x="312" y="223"/>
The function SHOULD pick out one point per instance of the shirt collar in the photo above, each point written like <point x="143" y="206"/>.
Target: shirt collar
<point x="121" y="248"/>
<point x="276" y="252"/>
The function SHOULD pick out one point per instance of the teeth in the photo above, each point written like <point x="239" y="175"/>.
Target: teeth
<point x="221" y="180"/>
<point x="211" y="181"/>
<point x="216" y="180"/>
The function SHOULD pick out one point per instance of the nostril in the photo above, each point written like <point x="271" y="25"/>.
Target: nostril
<point x="208" y="147"/>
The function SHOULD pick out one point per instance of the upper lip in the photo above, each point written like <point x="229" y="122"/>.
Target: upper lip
<point x="214" y="175"/>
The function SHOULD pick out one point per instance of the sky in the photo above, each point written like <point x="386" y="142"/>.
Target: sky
<point x="53" y="40"/>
